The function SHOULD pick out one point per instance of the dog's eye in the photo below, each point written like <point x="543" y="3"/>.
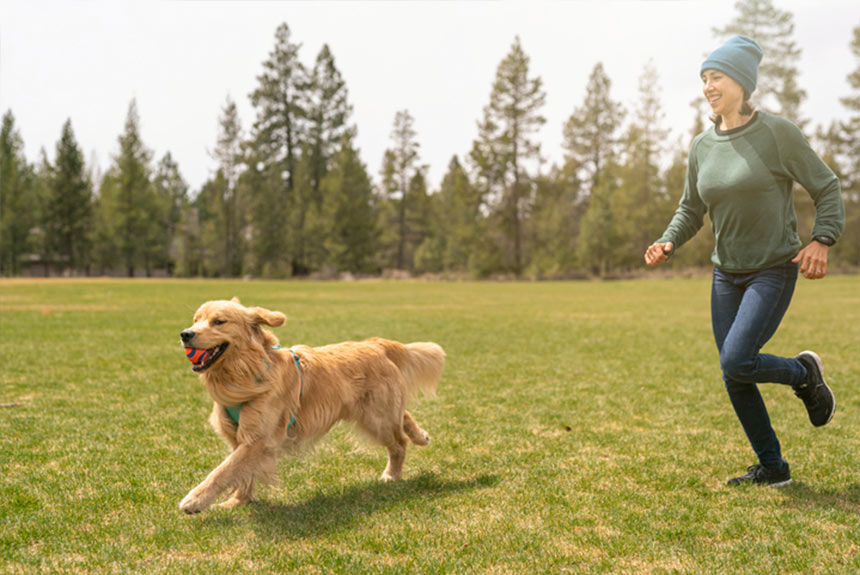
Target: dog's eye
<point x="218" y="322"/>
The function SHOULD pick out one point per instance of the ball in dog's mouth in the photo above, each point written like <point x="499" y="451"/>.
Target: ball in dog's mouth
<point x="204" y="358"/>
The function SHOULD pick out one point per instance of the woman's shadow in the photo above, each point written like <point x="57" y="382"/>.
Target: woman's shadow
<point x="326" y="512"/>
<point x="800" y="494"/>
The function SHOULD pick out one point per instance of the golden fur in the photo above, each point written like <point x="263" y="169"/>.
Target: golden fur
<point x="366" y="382"/>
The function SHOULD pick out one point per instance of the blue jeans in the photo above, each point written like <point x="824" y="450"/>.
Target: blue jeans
<point x="745" y="311"/>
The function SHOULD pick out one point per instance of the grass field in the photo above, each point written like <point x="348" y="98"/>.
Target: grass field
<point x="578" y="428"/>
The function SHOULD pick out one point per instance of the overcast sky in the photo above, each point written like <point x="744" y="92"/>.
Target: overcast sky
<point x="86" y="60"/>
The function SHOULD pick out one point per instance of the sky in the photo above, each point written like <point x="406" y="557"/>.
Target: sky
<point x="181" y="60"/>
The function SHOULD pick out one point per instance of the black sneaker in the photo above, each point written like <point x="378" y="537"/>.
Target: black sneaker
<point x="761" y="475"/>
<point x="816" y="395"/>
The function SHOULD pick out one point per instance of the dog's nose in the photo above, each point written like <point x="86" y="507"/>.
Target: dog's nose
<point x="187" y="335"/>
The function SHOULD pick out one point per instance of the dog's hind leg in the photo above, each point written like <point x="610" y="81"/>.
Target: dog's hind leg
<point x="415" y="433"/>
<point x="396" y="456"/>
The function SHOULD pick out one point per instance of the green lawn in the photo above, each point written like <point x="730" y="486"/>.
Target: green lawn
<point x="579" y="428"/>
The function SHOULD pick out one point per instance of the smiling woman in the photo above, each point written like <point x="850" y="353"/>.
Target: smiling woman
<point x="729" y="75"/>
<point x="742" y="173"/>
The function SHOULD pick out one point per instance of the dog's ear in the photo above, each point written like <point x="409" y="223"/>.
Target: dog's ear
<point x="271" y="318"/>
<point x="236" y="300"/>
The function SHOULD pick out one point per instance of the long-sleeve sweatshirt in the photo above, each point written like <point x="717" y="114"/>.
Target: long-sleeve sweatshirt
<point x="743" y="178"/>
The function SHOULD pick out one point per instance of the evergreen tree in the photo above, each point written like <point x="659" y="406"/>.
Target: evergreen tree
<point x="591" y="132"/>
<point x="69" y="215"/>
<point x="555" y="219"/>
<point x="230" y="156"/>
<point x="18" y="206"/>
<point x="387" y="213"/>
<point x="419" y="213"/>
<point x="777" y="88"/>
<point x="276" y="143"/>
<point x="43" y="175"/>
<point x="172" y="197"/>
<point x="597" y="246"/>
<point x="458" y="222"/>
<point x="399" y="168"/>
<point x="842" y="142"/>
<point x="641" y="204"/>
<point x="347" y="210"/>
<point x="506" y="142"/>
<point x="850" y="129"/>
<point x="133" y="194"/>
<point x="327" y="112"/>
<point x="211" y="214"/>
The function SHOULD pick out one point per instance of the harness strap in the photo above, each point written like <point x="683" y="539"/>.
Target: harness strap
<point x="233" y="411"/>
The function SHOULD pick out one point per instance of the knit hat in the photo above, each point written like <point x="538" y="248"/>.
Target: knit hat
<point x="738" y="58"/>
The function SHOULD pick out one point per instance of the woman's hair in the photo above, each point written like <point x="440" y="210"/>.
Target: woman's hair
<point x="746" y="109"/>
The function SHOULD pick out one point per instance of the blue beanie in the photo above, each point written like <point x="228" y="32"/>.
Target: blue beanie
<point x="739" y="58"/>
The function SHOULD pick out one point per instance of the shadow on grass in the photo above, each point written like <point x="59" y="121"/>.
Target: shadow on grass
<point x="801" y="495"/>
<point x="328" y="512"/>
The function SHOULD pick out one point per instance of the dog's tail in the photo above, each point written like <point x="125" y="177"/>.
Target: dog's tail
<point x="421" y="363"/>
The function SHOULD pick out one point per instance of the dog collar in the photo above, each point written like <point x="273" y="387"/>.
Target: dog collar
<point x="233" y="411"/>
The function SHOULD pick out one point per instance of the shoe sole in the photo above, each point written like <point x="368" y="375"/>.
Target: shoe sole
<point x="777" y="484"/>
<point x="820" y="367"/>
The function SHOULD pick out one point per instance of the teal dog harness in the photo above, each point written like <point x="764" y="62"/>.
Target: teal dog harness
<point x="233" y="411"/>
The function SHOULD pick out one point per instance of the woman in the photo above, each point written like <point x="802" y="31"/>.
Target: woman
<point x="741" y="171"/>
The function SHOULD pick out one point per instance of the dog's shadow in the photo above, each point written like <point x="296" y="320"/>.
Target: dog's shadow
<point x="330" y="512"/>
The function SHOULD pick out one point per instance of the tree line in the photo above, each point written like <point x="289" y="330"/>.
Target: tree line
<point x="292" y="197"/>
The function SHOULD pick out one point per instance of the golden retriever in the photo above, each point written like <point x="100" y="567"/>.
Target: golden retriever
<point x="285" y="399"/>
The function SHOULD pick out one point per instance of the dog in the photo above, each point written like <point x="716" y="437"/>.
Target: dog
<point x="270" y="401"/>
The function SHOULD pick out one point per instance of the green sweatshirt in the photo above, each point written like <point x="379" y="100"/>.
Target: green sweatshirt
<point x="743" y="178"/>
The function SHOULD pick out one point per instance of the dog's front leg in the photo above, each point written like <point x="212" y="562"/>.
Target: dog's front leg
<point x="240" y="466"/>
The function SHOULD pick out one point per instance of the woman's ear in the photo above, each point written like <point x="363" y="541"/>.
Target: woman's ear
<point x="262" y="315"/>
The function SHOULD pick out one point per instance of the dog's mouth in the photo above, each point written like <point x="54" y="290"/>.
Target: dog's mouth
<point x="212" y="356"/>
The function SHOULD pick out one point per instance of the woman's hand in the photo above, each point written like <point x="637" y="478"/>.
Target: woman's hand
<point x="658" y="253"/>
<point x="813" y="260"/>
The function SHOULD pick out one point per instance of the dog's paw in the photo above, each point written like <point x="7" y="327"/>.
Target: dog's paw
<point x="192" y="503"/>
<point x="231" y="503"/>
<point x="387" y="477"/>
<point x="423" y="438"/>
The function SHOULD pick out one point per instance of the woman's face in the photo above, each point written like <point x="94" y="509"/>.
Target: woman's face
<point x="722" y="92"/>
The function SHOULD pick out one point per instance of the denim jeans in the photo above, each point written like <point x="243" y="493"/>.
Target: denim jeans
<point x="745" y="311"/>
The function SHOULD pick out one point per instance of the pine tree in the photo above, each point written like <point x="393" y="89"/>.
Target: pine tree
<point x="641" y="202"/>
<point x="777" y="89"/>
<point x="43" y="174"/>
<point x="105" y="231"/>
<point x="70" y="213"/>
<point x="506" y="142"/>
<point x="348" y="212"/>
<point x="850" y="129"/>
<point x="387" y="213"/>
<point x="172" y="197"/>
<point x="597" y="246"/>
<point x="327" y="112"/>
<point x="459" y="221"/>
<point x="843" y="153"/>
<point x="231" y="160"/>
<point x="400" y="167"/>
<point x="133" y="194"/>
<point x="276" y="143"/>
<point x="211" y="214"/>
<point x="555" y="220"/>
<point x="18" y="205"/>
<point x="591" y="132"/>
